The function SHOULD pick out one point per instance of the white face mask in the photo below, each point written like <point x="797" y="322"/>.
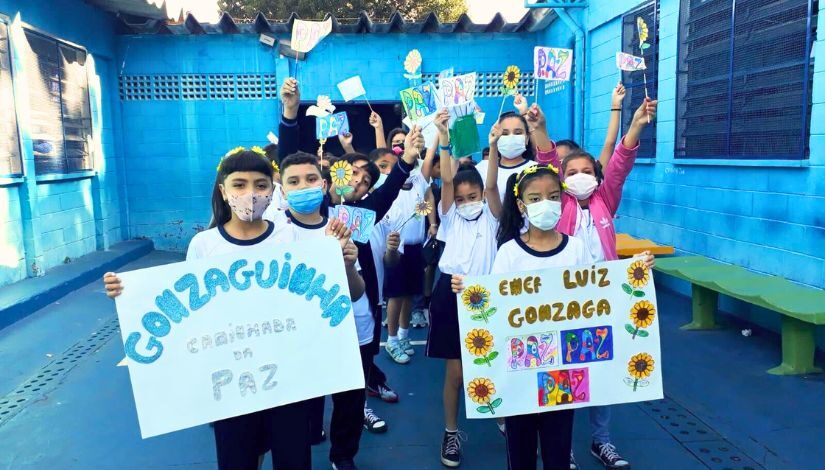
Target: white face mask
<point x="581" y="185"/>
<point x="512" y="146"/>
<point x="544" y="215"/>
<point x="381" y="180"/>
<point x="470" y="210"/>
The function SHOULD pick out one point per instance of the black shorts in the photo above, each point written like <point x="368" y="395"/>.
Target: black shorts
<point x="443" y="339"/>
<point x="407" y="277"/>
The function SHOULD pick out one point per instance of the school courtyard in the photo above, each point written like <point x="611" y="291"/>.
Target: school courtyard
<point x="113" y="117"/>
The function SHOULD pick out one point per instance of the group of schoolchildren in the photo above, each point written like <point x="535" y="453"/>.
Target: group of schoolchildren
<point x="530" y="204"/>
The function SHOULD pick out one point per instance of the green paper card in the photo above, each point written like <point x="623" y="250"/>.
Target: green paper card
<point x="464" y="136"/>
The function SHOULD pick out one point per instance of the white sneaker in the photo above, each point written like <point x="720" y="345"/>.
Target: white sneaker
<point x="396" y="353"/>
<point x="418" y="320"/>
<point x="406" y="346"/>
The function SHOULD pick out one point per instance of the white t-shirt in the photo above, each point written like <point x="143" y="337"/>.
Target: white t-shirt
<point x="470" y="244"/>
<point x="515" y="256"/>
<point x="404" y="207"/>
<point x="378" y="245"/>
<point x="587" y="233"/>
<point x="503" y="173"/>
<point x="216" y="242"/>
<point x="364" y="321"/>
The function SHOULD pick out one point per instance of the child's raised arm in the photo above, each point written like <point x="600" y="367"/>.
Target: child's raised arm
<point x="433" y="219"/>
<point x="378" y="125"/>
<point x="545" y="148"/>
<point x="613" y="126"/>
<point x="491" y="186"/>
<point x="288" y="132"/>
<point x="346" y="142"/>
<point x="427" y="166"/>
<point x="446" y="160"/>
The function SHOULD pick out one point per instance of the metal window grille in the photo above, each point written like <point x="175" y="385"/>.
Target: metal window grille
<point x="634" y="82"/>
<point x="60" y="112"/>
<point x="744" y="79"/>
<point x="10" y="163"/>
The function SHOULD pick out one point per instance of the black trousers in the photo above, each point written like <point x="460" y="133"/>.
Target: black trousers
<point x="552" y="430"/>
<point x="284" y="429"/>
<point x="347" y="422"/>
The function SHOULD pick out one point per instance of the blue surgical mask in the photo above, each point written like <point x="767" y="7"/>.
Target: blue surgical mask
<point x="381" y="180"/>
<point x="305" y="201"/>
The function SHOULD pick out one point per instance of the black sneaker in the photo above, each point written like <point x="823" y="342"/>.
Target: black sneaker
<point x="373" y="423"/>
<point x="451" y="448"/>
<point x="344" y="465"/>
<point x="607" y="455"/>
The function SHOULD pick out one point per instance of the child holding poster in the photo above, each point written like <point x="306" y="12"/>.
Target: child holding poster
<point x="242" y="191"/>
<point x="469" y="228"/>
<point x="536" y="193"/>
<point x="589" y="204"/>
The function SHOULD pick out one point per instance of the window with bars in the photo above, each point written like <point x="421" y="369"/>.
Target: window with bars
<point x="744" y="79"/>
<point x="10" y="163"/>
<point x="59" y="108"/>
<point x="640" y="83"/>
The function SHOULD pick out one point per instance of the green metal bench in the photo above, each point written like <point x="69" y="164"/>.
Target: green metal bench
<point x="802" y="308"/>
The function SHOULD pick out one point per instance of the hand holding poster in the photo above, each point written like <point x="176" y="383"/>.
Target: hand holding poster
<point x="559" y="338"/>
<point x="629" y="63"/>
<point x="332" y="125"/>
<point x="361" y="221"/>
<point x="457" y="90"/>
<point x="552" y="63"/>
<point x="307" y="34"/>
<point x="214" y="338"/>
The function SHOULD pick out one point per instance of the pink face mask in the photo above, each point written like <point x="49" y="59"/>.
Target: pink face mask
<point x="249" y="206"/>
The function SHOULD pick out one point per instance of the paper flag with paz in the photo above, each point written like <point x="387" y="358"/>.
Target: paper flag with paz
<point x="307" y="34"/>
<point x="331" y="126"/>
<point x="419" y="101"/>
<point x="552" y="63"/>
<point x="352" y="88"/>
<point x="464" y="136"/>
<point x="629" y="63"/>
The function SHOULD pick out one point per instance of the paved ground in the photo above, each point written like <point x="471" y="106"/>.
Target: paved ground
<point x="64" y="404"/>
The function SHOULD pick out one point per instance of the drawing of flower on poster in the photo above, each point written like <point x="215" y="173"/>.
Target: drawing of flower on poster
<point x="640" y="367"/>
<point x="476" y="299"/>
<point x="479" y="342"/>
<point x="638" y="275"/>
<point x="642" y="315"/>
<point x="481" y="391"/>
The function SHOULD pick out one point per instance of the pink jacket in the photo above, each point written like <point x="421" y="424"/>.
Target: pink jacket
<point x="605" y="200"/>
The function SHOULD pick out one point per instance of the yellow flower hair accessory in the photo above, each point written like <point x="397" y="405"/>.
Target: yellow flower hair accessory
<point x="258" y="150"/>
<point x="532" y="169"/>
<point x="234" y="151"/>
<point x="275" y="167"/>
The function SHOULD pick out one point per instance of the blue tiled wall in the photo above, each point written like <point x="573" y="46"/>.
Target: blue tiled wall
<point x="769" y="219"/>
<point x="45" y="222"/>
<point x="172" y="147"/>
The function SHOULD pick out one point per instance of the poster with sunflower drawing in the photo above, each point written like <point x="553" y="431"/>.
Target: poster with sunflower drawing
<point x="559" y="338"/>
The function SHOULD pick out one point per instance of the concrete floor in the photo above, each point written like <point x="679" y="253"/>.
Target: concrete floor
<point x="722" y="410"/>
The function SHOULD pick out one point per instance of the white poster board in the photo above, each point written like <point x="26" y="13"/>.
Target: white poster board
<point x="562" y="338"/>
<point x="215" y="338"/>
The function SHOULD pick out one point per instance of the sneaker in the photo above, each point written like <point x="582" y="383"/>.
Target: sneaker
<point x="418" y="320"/>
<point x="344" y="465"/>
<point x="396" y="353"/>
<point x="502" y="428"/>
<point x="406" y="346"/>
<point x="573" y="464"/>
<point x="451" y="448"/>
<point x="373" y="423"/>
<point x="606" y="453"/>
<point x="384" y="392"/>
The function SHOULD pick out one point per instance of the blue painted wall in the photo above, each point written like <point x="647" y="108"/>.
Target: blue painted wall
<point x="173" y="146"/>
<point x="45" y="223"/>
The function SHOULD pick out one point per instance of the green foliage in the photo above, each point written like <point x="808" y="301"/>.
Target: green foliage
<point x="447" y="10"/>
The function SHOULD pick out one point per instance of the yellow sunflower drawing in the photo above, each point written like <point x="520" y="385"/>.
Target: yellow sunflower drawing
<point x="413" y="61"/>
<point x="512" y="75"/>
<point x="642" y="314"/>
<point x="640" y="366"/>
<point x="638" y="275"/>
<point x="641" y="26"/>
<point x="481" y="391"/>
<point x="479" y="342"/>
<point x="423" y="209"/>
<point x="341" y="173"/>
<point x="476" y="298"/>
